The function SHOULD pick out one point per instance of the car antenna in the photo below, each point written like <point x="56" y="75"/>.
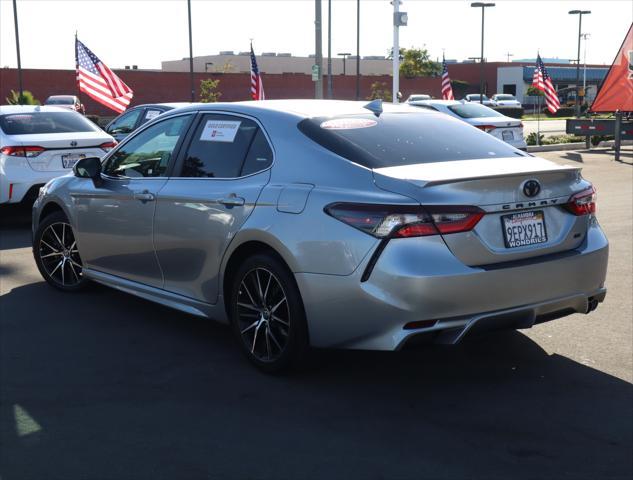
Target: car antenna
<point x="375" y="106"/>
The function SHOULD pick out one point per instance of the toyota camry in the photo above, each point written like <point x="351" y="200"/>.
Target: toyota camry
<point x="327" y="224"/>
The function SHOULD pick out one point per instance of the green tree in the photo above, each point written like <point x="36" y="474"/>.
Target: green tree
<point x="208" y="90"/>
<point x="416" y="62"/>
<point x="380" y="90"/>
<point x="27" y="98"/>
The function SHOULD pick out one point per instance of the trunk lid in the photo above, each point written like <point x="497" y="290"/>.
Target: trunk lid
<point x="497" y="187"/>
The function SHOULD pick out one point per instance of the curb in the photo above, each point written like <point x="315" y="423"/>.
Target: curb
<point x="557" y="147"/>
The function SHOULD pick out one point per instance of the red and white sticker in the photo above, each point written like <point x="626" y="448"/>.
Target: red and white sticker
<point x="348" y="123"/>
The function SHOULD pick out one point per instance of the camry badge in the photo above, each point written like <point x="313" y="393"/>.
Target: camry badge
<point x="73" y="144"/>
<point x="531" y="188"/>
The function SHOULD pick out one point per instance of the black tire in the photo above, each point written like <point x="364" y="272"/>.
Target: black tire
<point x="56" y="254"/>
<point x="272" y="332"/>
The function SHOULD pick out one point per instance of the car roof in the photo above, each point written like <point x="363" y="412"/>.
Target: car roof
<point x="301" y="108"/>
<point x="437" y="102"/>
<point x="167" y="104"/>
<point x="8" y="109"/>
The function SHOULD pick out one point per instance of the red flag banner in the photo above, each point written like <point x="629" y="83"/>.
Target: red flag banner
<point x="616" y="92"/>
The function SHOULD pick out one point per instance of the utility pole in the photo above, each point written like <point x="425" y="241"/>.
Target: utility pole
<point x="193" y="90"/>
<point x="585" y="36"/>
<point x="17" y="47"/>
<point x="580" y="13"/>
<point x="357" y="49"/>
<point x="330" y="93"/>
<point x="509" y="55"/>
<point x="318" y="85"/>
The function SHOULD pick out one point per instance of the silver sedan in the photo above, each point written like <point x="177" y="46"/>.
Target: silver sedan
<point x="327" y="224"/>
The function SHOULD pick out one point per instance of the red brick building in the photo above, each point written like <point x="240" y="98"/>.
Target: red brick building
<point x="158" y="86"/>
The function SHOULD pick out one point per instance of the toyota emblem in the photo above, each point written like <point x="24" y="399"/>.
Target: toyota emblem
<point x="73" y="144"/>
<point x="531" y="188"/>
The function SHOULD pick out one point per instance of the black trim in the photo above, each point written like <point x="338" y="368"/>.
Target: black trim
<point x="529" y="261"/>
<point x="374" y="258"/>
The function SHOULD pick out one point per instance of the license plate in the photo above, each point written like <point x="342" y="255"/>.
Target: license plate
<point x="525" y="228"/>
<point x="69" y="160"/>
<point x="507" y="135"/>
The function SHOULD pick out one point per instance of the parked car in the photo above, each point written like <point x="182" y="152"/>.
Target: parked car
<point x="40" y="143"/>
<point x="504" y="128"/>
<point x="474" y="97"/>
<point x="418" y="96"/>
<point x="327" y="224"/>
<point x="71" y="102"/>
<point x="506" y="100"/>
<point x="134" y="117"/>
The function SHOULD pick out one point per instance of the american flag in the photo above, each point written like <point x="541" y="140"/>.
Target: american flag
<point x="257" y="86"/>
<point x="543" y="82"/>
<point x="99" y="82"/>
<point x="447" y="90"/>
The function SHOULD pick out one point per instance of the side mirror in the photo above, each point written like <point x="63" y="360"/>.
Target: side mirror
<point x="89" y="167"/>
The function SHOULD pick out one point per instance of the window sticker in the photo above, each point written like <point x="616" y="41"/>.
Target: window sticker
<point x="220" y="131"/>
<point x="348" y="123"/>
<point x="152" y="114"/>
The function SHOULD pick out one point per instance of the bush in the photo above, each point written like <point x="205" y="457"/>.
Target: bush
<point x="531" y="139"/>
<point x="208" y="91"/>
<point x="27" y="98"/>
<point x="513" y="112"/>
<point x="562" y="112"/>
<point x="379" y="90"/>
<point x="596" y="139"/>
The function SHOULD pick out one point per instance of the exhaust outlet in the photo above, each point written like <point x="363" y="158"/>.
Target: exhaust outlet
<point x="592" y="304"/>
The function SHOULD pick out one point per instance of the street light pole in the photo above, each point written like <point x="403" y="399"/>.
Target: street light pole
<point x="357" y="49"/>
<point x="481" y="75"/>
<point x="344" y="55"/>
<point x="17" y="47"/>
<point x="193" y="90"/>
<point x="580" y="13"/>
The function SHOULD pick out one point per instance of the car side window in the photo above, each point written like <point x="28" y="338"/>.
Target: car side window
<point x="125" y="123"/>
<point x="220" y="146"/>
<point x="260" y="155"/>
<point x="148" y="154"/>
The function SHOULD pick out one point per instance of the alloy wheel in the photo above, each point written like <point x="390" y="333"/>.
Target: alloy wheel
<point x="263" y="314"/>
<point x="59" y="254"/>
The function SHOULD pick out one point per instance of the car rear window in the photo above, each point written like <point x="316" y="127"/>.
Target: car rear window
<point x="395" y="139"/>
<point x="505" y="97"/>
<point x="473" y="110"/>
<point x="45" y="122"/>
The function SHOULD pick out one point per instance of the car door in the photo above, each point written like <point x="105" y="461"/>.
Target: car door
<point x="213" y="191"/>
<point x="124" y="124"/>
<point x="115" y="220"/>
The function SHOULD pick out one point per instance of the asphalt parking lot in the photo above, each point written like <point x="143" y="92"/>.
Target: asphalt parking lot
<point x="102" y="385"/>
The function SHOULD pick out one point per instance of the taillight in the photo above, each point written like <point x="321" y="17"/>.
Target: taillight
<point x="107" y="146"/>
<point x="582" y="203"/>
<point x="21" y="151"/>
<point x="401" y="221"/>
<point x="486" y="128"/>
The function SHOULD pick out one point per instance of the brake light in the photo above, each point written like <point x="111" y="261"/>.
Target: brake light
<point x="582" y="203"/>
<point x="107" y="146"/>
<point x="486" y="128"/>
<point x="402" y="221"/>
<point x="21" y="151"/>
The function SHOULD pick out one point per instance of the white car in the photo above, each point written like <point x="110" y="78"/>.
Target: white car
<point x="474" y="98"/>
<point x="416" y="97"/>
<point x="508" y="129"/>
<point x="41" y="143"/>
<point x="506" y="100"/>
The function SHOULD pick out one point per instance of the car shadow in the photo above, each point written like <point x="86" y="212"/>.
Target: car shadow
<point x="15" y="226"/>
<point x="101" y="384"/>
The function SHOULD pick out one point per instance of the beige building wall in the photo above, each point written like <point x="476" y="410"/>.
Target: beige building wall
<point x="276" y="64"/>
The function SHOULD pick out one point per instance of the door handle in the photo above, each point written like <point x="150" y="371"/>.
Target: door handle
<point x="144" y="196"/>
<point x="232" y="201"/>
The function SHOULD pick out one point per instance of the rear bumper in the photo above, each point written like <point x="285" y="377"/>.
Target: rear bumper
<point x="419" y="279"/>
<point x="15" y="183"/>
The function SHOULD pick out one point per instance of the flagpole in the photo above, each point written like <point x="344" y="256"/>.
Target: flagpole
<point x="17" y="47"/>
<point x="538" y="121"/>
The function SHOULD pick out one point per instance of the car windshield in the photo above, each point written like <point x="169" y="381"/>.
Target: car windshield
<point x="60" y="101"/>
<point x="395" y="139"/>
<point x="505" y="97"/>
<point x="476" y="97"/>
<point x="473" y="110"/>
<point x="45" y="122"/>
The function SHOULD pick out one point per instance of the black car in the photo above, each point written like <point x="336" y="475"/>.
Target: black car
<point x="133" y="118"/>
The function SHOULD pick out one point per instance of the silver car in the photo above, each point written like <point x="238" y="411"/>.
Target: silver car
<point x="327" y="224"/>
